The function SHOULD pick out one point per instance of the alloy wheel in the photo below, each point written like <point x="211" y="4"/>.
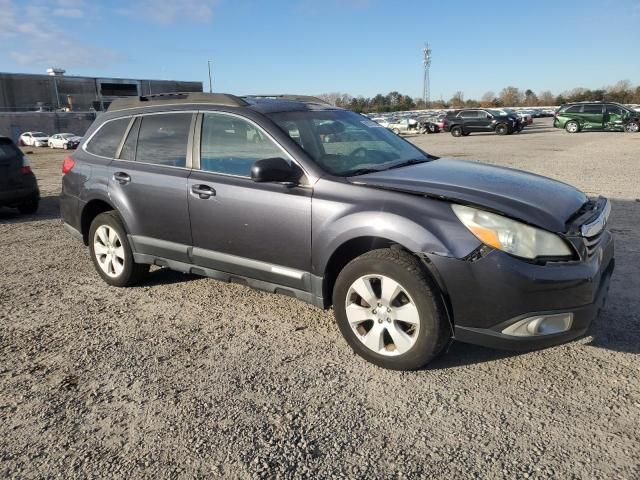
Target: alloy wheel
<point x="382" y="315"/>
<point x="109" y="251"/>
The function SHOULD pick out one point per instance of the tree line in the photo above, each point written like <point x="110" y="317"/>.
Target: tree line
<point x="621" y="92"/>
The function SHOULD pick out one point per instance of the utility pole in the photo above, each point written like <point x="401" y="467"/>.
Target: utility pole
<point x="426" y="62"/>
<point x="210" y="82"/>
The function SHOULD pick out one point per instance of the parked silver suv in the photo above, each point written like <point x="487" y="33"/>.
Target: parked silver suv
<point x="294" y="196"/>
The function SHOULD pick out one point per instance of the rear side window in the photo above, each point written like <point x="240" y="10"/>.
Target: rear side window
<point x="105" y="142"/>
<point x="592" y="109"/>
<point x="468" y="114"/>
<point x="573" y="109"/>
<point x="163" y="139"/>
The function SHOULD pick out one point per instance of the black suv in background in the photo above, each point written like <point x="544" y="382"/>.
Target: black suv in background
<point x="18" y="185"/>
<point x="464" y="122"/>
<point x="294" y="196"/>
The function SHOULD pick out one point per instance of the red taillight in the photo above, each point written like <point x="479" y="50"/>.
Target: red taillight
<point x="67" y="165"/>
<point x="25" y="169"/>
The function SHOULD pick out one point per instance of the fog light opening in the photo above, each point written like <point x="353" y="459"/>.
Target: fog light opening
<point x="540" y="325"/>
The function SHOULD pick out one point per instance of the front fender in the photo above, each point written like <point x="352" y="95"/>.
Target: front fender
<point x="419" y="224"/>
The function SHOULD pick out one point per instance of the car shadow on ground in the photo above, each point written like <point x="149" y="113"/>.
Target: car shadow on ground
<point x="164" y="276"/>
<point x="48" y="209"/>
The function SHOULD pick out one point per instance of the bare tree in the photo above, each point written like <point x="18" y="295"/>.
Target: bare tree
<point x="511" y="97"/>
<point x="487" y="99"/>
<point x="457" y="100"/>
<point x="546" y="98"/>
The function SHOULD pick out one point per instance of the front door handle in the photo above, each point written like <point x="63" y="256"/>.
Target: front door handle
<point x="203" y="191"/>
<point x="121" y="177"/>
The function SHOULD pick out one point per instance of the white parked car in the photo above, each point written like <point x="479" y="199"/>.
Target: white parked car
<point x="403" y="125"/>
<point x="34" y="139"/>
<point x="64" y="140"/>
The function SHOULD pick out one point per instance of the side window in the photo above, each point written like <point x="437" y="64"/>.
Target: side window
<point x="163" y="139"/>
<point x="129" y="147"/>
<point x="592" y="109"/>
<point x="614" y="110"/>
<point x="469" y="114"/>
<point x="574" y="109"/>
<point x="105" y="142"/>
<point x="231" y="145"/>
<point x="482" y="114"/>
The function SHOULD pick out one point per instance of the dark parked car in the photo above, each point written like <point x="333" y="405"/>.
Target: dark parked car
<point x="18" y="185"/>
<point x="576" y="117"/>
<point x="411" y="250"/>
<point x="464" y="122"/>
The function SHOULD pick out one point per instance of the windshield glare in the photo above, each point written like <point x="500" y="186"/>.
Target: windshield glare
<point x="343" y="142"/>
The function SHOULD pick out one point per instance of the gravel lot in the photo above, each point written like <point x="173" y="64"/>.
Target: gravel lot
<point x="187" y="377"/>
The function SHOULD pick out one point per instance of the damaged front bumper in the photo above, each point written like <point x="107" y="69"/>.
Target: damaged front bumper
<point x="499" y="301"/>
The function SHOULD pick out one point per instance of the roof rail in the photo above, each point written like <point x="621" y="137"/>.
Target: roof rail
<point x="178" y="97"/>
<point x="295" y="98"/>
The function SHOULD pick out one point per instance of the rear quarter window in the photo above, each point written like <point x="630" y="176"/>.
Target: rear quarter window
<point x="106" y="140"/>
<point x="573" y="109"/>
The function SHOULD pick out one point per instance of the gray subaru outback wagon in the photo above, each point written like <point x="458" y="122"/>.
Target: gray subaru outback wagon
<point x="290" y="195"/>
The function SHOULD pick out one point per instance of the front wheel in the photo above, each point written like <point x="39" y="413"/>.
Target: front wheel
<point x="111" y="252"/>
<point x="396" y="131"/>
<point x="502" y="129"/>
<point x="389" y="311"/>
<point x="632" y="127"/>
<point x="572" y="126"/>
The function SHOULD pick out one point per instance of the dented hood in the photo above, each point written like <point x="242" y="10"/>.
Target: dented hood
<point x="525" y="196"/>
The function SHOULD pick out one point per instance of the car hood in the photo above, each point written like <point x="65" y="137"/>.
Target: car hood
<point x="534" y="199"/>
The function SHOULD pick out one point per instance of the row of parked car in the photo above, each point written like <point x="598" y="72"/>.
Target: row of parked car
<point x="573" y="117"/>
<point x="66" y="141"/>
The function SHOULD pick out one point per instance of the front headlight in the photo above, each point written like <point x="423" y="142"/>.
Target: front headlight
<point x="511" y="236"/>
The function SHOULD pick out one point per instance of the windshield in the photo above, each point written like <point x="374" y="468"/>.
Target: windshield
<point x="345" y="143"/>
<point x="67" y="135"/>
<point x="38" y="134"/>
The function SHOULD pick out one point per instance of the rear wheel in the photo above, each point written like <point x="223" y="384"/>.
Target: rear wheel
<point x="111" y="252"/>
<point x="632" y="127"/>
<point x="457" y="131"/>
<point x="572" y="126"/>
<point x="389" y="311"/>
<point x="29" y="207"/>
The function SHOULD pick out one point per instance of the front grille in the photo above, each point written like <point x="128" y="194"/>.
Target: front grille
<point x="591" y="243"/>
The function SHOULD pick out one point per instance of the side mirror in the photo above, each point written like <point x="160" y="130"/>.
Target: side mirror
<point x="272" y="170"/>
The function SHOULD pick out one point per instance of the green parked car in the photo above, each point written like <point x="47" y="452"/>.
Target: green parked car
<point x="575" y="117"/>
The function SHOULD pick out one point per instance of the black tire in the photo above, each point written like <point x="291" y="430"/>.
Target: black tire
<point x="632" y="127"/>
<point x="502" y="129"/>
<point x="569" y="126"/>
<point x="132" y="272"/>
<point x="457" y="131"/>
<point x="434" y="332"/>
<point x="65" y="146"/>
<point x="29" y="207"/>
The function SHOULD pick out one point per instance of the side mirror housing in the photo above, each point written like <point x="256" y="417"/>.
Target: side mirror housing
<point x="272" y="170"/>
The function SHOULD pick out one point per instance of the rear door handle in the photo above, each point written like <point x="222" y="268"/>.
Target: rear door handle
<point x="121" y="177"/>
<point x="203" y="191"/>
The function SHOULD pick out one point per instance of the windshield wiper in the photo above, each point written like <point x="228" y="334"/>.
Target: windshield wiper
<point x="359" y="171"/>
<point x="406" y="163"/>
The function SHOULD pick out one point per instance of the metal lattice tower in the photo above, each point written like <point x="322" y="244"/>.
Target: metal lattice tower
<point x="426" y="62"/>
